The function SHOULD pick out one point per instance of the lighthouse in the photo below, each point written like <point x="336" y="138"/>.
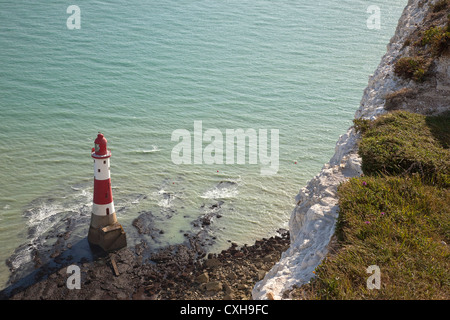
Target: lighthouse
<point x="104" y="230"/>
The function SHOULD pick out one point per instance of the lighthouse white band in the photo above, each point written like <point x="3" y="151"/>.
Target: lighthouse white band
<point x="103" y="209"/>
<point x="101" y="169"/>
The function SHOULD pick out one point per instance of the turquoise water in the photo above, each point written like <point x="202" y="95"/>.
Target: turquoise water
<point x="137" y="71"/>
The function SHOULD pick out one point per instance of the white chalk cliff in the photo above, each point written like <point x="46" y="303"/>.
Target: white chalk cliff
<point x="312" y="223"/>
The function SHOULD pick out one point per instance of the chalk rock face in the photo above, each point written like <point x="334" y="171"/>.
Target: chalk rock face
<point x="312" y="222"/>
<point x="311" y="225"/>
<point x="429" y="97"/>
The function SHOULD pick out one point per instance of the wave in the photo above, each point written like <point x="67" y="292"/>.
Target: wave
<point x="165" y="198"/>
<point x="45" y="214"/>
<point x="21" y="257"/>
<point x="144" y="151"/>
<point x="223" y="190"/>
<point x="43" y="217"/>
<point x="46" y="219"/>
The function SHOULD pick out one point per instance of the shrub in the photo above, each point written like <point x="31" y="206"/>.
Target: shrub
<point x="404" y="143"/>
<point x="441" y="43"/>
<point x="414" y="68"/>
<point x="361" y="125"/>
<point x="430" y="34"/>
<point x="438" y="38"/>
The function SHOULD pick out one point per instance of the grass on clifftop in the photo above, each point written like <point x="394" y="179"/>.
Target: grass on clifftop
<point x="397" y="216"/>
<point x="403" y="143"/>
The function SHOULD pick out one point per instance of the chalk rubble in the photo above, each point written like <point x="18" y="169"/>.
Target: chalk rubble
<point x="312" y="222"/>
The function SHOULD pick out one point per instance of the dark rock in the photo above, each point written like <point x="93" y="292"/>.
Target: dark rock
<point x="173" y="272"/>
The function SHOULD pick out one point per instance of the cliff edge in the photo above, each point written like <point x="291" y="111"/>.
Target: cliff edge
<point x="312" y="222"/>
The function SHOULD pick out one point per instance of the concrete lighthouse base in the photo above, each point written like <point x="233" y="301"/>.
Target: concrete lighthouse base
<point x="107" y="233"/>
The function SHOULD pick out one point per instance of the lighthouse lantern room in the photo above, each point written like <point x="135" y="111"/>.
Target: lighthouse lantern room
<point x="104" y="230"/>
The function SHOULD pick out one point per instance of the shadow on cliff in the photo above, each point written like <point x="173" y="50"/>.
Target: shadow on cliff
<point x="439" y="128"/>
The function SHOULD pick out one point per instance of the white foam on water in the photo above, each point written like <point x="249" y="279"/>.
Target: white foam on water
<point x="165" y="203"/>
<point x="165" y="198"/>
<point x="223" y="193"/>
<point x="46" y="215"/>
<point x="22" y="257"/>
<point x="41" y="217"/>
<point x="154" y="149"/>
<point x="224" y="190"/>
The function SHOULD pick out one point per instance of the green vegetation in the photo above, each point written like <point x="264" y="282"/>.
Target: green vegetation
<point x="397" y="223"/>
<point x="427" y="44"/>
<point x="403" y="143"/>
<point x="412" y="68"/>
<point x="438" y="38"/>
<point x="396" y="216"/>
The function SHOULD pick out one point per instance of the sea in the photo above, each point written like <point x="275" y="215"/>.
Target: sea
<point x="146" y="74"/>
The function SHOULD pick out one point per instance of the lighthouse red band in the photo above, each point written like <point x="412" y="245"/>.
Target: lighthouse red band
<point x="104" y="230"/>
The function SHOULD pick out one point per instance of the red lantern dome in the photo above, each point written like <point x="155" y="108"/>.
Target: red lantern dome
<point x="100" y="150"/>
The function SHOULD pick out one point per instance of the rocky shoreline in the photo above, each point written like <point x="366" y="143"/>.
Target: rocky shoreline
<point x="177" y="272"/>
<point x="146" y="269"/>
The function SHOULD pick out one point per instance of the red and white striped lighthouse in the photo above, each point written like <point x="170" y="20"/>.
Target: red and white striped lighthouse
<point x="104" y="230"/>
